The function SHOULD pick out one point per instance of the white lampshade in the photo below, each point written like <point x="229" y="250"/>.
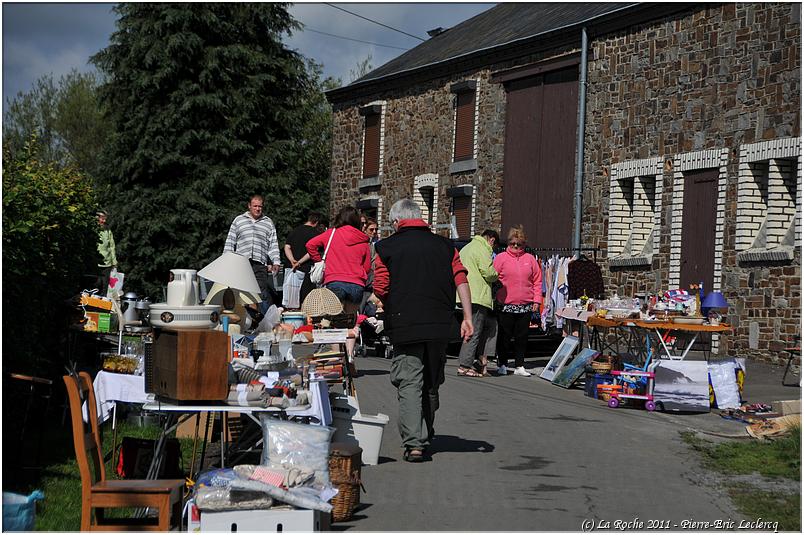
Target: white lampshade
<point x="232" y="271"/>
<point x="215" y="295"/>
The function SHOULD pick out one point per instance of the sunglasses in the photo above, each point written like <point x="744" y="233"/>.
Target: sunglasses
<point x="516" y="245"/>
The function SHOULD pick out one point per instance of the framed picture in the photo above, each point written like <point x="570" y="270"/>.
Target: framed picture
<point x="682" y="385"/>
<point x="570" y="373"/>
<point x="560" y="357"/>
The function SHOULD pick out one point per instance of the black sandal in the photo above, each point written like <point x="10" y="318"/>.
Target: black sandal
<point x="413" y="455"/>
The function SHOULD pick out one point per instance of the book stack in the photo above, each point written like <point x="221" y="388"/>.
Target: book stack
<point x="328" y="365"/>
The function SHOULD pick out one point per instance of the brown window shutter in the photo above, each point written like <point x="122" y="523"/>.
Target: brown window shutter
<point x="462" y="209"/>
<point x="371" y="148"/>
<point x="465" y="126"/>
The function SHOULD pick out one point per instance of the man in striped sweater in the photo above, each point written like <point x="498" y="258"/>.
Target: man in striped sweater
<point x="253" y="235"/>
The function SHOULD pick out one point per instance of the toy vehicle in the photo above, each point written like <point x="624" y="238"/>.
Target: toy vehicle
<point x="632" y="381"/>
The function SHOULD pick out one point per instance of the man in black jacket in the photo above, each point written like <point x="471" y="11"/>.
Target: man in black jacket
<point x="416" y="276"/>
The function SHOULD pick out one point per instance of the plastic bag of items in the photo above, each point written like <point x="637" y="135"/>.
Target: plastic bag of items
<point x="214" y="492"/>
<point x="303" y="497"/>
<point x="292" y="477"/>
<point x="291" y="445"/>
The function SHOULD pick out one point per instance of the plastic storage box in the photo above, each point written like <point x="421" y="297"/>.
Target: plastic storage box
<point x="353" y="427"/>
<point x="265" y="520"/>
<point x="592" y="382"/>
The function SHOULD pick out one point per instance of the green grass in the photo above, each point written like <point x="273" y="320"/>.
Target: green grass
<point x="59" y="478"/>
<point x="777" y="459"/>
<point x="773" y="506"/>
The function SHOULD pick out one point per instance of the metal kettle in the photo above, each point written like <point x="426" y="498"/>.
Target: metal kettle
<point x="128" y="307"/>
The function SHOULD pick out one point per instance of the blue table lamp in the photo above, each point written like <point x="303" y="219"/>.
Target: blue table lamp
<point x="715" y="300"/>
<point x="710" y="306"/>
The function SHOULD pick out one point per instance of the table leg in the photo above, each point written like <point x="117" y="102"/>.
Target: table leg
<point x="689" y="346"/>
<point x="664" y="346"/>
<point x="195" y="446"/>
<point x="114" y="430"/>
<point x="171" y="423"/>
<point x="224" y="424"/>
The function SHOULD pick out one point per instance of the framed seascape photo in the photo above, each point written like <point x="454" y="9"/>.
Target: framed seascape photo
<point x="682" y="385"/>
<point x="570" y="373"/>
<point x="560" y="357"/>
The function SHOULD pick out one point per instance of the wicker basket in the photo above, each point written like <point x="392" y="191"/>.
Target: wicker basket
<point x="344" y="472"/>
<point x="321" y="302"/>
<point x="602" y="366"/>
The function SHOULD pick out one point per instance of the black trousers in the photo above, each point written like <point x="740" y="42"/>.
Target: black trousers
<point x="261" y="274"/>
<point x="512" y="326"/>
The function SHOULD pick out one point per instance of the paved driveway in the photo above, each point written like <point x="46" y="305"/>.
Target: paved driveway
<point x="520" y="454"/>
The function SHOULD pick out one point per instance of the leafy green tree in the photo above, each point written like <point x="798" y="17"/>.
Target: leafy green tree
<point x="208" y="107"/>
<point x="49" y="241"/>
<point x="65" y="119"/>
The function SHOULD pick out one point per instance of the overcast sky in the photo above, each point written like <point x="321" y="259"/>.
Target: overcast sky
<point x="41" y="38"/>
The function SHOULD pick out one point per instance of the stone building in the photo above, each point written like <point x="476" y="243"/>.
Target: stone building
<point x="691" y="164"/>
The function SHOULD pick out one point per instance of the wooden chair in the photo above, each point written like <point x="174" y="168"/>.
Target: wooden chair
<point x="98" y="493"/>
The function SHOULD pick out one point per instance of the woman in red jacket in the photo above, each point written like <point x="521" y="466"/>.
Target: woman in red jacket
<point x="519" y="296"/>
<point x="348" y="260"/>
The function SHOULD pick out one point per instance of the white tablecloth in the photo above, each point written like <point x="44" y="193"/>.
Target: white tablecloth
<point x="113" y="387"/>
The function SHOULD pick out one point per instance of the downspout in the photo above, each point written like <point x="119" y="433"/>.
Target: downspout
<point x="576" y="240"/>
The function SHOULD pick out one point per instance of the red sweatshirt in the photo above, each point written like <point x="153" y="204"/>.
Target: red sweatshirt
<point x="348" y="258"/>
<point x="382" y="279"/>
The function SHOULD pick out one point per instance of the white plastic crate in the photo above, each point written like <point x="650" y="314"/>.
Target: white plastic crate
<point x="265" y="520"/>
<point x="353" y="427"/>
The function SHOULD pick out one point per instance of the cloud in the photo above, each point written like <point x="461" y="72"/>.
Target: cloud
<point x="339" y="56"/>
<point x="55" y="38"/>
<point x="40" y="39"/>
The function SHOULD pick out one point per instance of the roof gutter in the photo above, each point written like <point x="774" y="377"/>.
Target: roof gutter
<point x="576" y="238"/>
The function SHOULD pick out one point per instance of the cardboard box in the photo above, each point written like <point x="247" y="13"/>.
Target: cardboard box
<point x="98" y="322"/>
<point x="96" y="301"/>
<point x="265" y="520"/>
<point x="787" y="407"/>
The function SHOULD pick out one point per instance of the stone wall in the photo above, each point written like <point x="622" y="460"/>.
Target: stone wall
<point x="707" y="81"/>
<point x="717" y="78"/>
<point x="419" y="135"/>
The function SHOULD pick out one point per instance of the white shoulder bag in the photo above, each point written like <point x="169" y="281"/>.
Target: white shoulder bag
<point x="317" y="273"/>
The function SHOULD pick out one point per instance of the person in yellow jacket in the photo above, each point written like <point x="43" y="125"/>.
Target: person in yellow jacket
<point x="476" y="257"/>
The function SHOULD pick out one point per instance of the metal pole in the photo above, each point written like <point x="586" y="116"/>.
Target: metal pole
<point x="576" y="240"/>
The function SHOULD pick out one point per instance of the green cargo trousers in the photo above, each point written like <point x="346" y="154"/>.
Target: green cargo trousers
<point x="417" y="370"/>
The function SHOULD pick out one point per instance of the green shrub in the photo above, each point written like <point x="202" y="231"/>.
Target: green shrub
<point x="49" y="242"/>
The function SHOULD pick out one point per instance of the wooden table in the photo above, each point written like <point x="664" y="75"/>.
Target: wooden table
<point x="662" y="330"/>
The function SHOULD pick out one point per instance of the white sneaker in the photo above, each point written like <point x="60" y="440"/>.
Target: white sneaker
<point x="522" y="371"/>
<point x="502" y="370"/>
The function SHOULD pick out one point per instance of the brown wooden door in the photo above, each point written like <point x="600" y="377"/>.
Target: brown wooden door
<point x="698" y="229"/>
<point x="540" y="139"/>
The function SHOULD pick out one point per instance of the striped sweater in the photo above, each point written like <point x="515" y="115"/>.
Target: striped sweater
<point x="254" y="239"/>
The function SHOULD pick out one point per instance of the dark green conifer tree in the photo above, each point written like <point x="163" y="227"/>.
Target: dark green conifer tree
<point x="208" y="107"/>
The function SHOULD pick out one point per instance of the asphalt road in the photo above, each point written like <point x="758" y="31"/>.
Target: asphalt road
<point x="520" y="454"/>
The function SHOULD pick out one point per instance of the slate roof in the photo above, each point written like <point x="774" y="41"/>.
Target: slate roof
<point x="500" y="25"/>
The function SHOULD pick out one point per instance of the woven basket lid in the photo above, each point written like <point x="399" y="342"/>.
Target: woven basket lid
<point x="344" y="449"/>
<point x="321" y="302"/>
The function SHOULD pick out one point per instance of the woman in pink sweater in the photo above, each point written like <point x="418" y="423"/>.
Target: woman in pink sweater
<point x="519" y="296"/>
